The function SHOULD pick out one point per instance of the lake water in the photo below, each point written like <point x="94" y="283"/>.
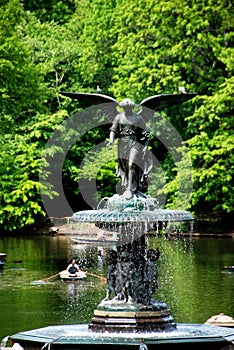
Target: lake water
<point x="190" y="278"/>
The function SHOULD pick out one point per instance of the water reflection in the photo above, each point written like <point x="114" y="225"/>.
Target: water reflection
<point x="190" y="281"/>
<point x="74" y="299"/>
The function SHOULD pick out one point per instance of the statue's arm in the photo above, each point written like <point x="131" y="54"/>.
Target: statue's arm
<point x="113" y="130"/>
<point x="112" y="138"/>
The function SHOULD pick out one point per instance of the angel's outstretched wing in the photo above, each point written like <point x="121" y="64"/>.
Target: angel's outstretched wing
<point x="106" y="103"/>
<point x="157" y="102"/>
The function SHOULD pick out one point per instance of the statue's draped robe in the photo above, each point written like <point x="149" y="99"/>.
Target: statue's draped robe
<point x="133" y="164"/>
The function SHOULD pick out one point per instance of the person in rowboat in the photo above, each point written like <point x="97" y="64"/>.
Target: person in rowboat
<point x="143" y="346"/>
<point x="73" y="268"/>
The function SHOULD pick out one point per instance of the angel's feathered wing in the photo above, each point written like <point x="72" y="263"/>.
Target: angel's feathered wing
<point x="107" y="104"/>
<point x="157" y="102"/>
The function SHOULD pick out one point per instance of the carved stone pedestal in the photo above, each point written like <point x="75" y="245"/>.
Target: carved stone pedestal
<point x="132" y="279"/>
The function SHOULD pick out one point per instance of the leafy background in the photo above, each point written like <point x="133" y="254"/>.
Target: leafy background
<point x="134" y="49"/>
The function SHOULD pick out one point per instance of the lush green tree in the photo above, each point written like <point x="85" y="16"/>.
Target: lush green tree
<point x="54" y="52"/>
<point x="209" y="128"/>
<point x="92" y="30"/>
<point x="157" y="46"/>
<point x="134" y="49"/>
<point x="22" y="91"/>
<point x="20" y="167"/>
<point x="52" y="10"/>
<point x="23" y="95"/>
<point x="211" y="149"/>
<point x="20" y="188"/>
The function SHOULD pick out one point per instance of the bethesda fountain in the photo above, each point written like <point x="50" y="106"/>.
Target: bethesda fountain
<point x="129" y="315"/>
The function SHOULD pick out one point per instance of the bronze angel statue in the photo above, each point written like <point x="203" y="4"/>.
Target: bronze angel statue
<point x="134" y="161"/>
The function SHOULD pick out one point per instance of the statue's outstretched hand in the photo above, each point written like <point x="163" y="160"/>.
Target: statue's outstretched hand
<point x="110" y="143"/>
<point x="144" y="151"/>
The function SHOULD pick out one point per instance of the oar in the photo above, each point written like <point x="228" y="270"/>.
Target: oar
<point x="101" y="277"/>
<point x="46" y="279"/>
<point x="51" y="277"/>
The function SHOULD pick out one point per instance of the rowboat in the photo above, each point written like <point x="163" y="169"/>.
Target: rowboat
<point x="2" y="260"/>
<point x="228" y="269"/>
<point x="66" y="276"/>
<point x="221" y="320"/>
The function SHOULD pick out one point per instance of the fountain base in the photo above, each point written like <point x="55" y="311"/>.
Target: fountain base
<point x="73" y="337"/>
<point x="115" y="316"/>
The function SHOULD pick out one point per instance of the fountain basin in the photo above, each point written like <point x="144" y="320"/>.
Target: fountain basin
<point x="192" y="336"/>
<point x="132" y="216"/>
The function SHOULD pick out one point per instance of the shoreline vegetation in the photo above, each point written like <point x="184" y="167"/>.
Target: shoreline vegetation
<point x="204" y="225"/>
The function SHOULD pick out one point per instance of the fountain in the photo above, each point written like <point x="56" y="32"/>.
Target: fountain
<point x="129" y="314"/>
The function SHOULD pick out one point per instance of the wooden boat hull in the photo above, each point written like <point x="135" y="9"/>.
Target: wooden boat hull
<point x="228" y="269"/>
<point x="66" y="276"/>
<point x="2" y="260"/>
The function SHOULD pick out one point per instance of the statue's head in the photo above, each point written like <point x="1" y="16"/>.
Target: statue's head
<point x="112" y="255"/>
<point x="126" y="103"/>
<point x="151" y="254"/>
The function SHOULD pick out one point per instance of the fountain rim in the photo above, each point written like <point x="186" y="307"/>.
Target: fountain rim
<point x="133" y="215"/>
<point x="81" y="335"/>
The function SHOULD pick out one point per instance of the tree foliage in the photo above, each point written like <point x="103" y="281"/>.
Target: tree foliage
<point x="131" y="49"/>
<point x="21" y="82"/>
<point x="51" y="10"/>
<point x="212" y="151"/>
